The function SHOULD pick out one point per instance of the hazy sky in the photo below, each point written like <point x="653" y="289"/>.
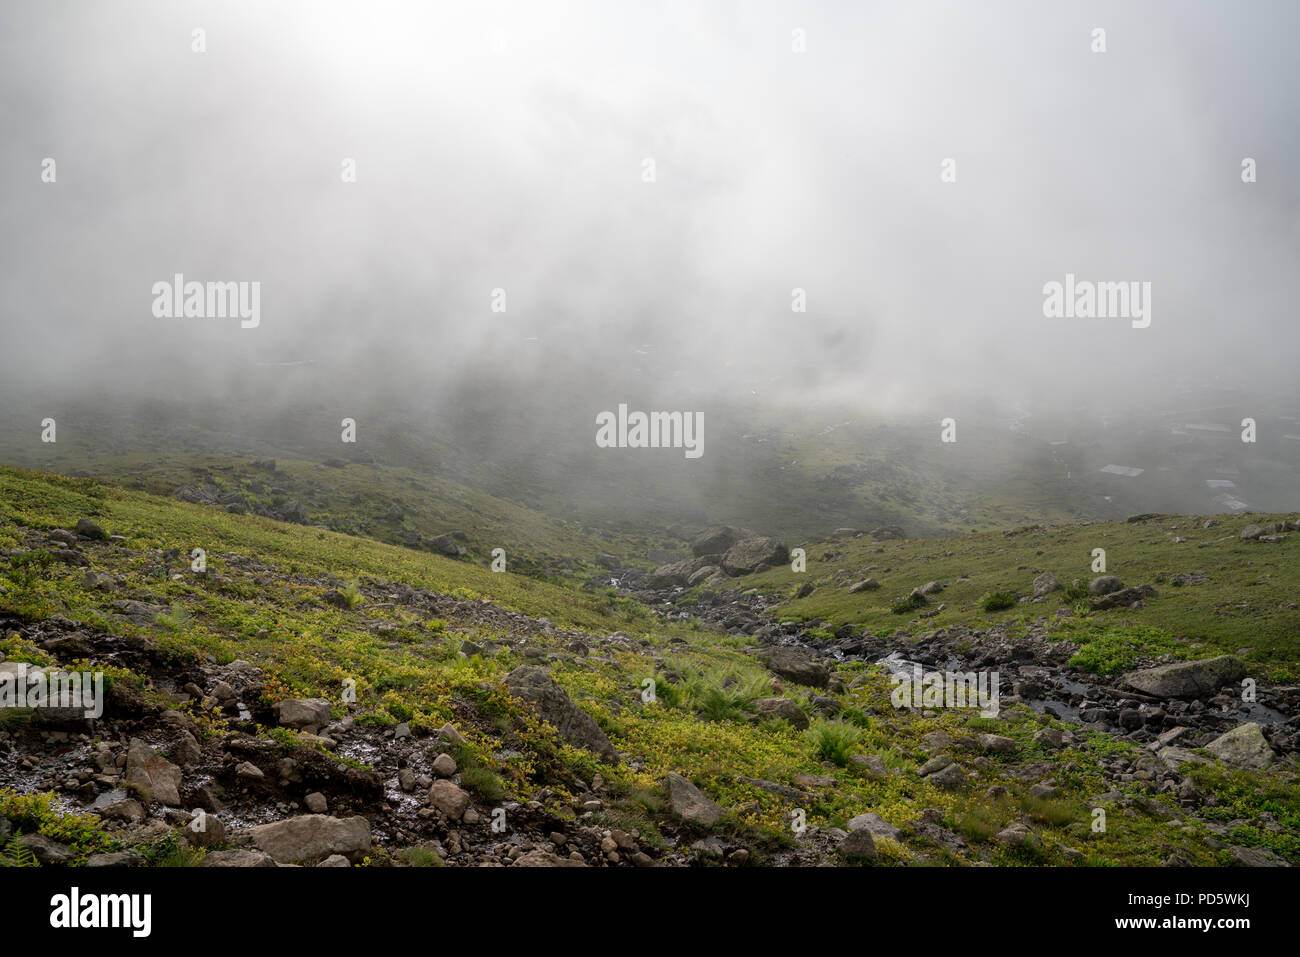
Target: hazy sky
<point x="503" y="146"/>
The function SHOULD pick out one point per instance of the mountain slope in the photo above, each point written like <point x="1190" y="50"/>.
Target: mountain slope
<point x="425" y="642"/>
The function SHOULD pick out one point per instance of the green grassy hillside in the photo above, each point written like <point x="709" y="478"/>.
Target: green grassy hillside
<point x="317" y="610"/>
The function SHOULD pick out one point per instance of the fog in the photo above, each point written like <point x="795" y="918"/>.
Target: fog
<point x="503" y="147"/>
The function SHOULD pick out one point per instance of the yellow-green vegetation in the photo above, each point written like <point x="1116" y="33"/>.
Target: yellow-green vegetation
<point x="1109" y="650"/>
<point x="82" y="834"/>
<point x="262" y="600"/>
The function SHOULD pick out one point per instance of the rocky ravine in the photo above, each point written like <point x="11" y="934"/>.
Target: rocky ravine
<point x="1169" y="707"/>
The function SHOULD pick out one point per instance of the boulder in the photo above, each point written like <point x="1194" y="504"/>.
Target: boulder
<point x="782" y="708"/>
<point x="156" y="778"/>
<point x="448" y="798"/>
<point x="44" y="849"/>
<point x="444" y="765"/>
<point x="1045" y="584"/>
<point x="715" y="540"/>
<point x="705" y="574"/>
<point x="574" y="725"/>
<point x="677" y="573"/>
<point x="305" y="714"/>
<point x="950" y="777"/>
<point x="690" y="803"/>
<point x="1255" y="857"/>
<point x="1188" y="679"/>
<point x="797" y="666"/>
<point x="998" y="744"/>
<point x="446" y="545"/>
<point x="876" y="825"/>
<point x="311" y="837"/>
<point x="859" y="845"/>
<point x="867" y="584"/>
<point x="88" y="529"/>
<point x="748" y="554"/>
<point x="1244" y="746"/>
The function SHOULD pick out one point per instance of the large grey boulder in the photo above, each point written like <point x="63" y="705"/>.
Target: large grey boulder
<point x="449" y="798"/>
<point x="690" y="803"/>
<point x="678" y="573"/>
<point x="1244" y="746"/>
<point x="88" y="529"/>
<point x="876" y="825"/>
<point x="715" y="540"/>
<point x="311" y="837"/>
<point x="748" y="554"/>
<point x="1188" y="679"/>
<point x="305" y="714"/>
<point x="154" y="777"/>
<point x="574" y="725"/>
<point x="859" y="845"/>
<point x="795" y="665"/>
<point x="1045" y="584"/>
<point x="446" y="545"/>
<point x="44" y="849"/>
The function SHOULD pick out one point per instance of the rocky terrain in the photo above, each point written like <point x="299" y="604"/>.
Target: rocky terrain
<point x="267" y="711"/>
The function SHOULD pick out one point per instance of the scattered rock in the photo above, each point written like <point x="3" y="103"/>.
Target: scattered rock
<point x="690" y="803"/>
<point x="574" y="725"/>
